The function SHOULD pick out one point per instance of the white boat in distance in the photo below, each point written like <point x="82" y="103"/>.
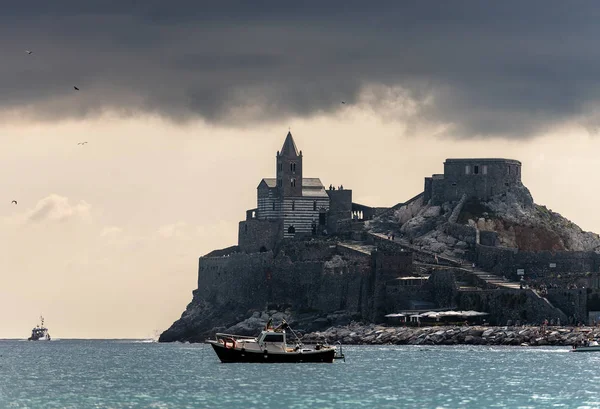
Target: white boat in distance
<point x="39" y="333"/>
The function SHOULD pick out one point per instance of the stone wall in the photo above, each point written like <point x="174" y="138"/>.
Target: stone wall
<point x="505" y="305"/>
<point x="239" y="278"/>
<point x="499" y="260"/>
<point x="506" y="261"/>
<point x="481" y="178"/>
<point x="256" y="235"/>
<point x="307" y="250"/>
<point x="309" y="275"/>
<point x="340" y="209"/>
<point x="573" y="302"/>
<point x="223" y="252"/>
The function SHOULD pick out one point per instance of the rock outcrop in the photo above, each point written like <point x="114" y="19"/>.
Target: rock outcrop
<point x="358" y="334"/>
<point x="513" y="218"/>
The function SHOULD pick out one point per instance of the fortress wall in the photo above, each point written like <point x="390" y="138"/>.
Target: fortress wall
<point x="506" y="261"/>
<point x="481" y="178"/>
<point x="297" y="276"/>
<point x="311" y="250"/>
<point x="499" y="260"/>
<point x="572" y="302"/>
<point x="538" y="263"/>
<point x="223" y="252"/>
<point x="340" y="210"/>
<point x="238" y="278"/>
<point x="427" y="190"/>
<point x="514" y="305"/>
<point x="324" y="286"/>
<point x="254" y="234"/>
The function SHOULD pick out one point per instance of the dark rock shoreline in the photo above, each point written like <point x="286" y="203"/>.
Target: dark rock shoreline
<point x="356" y="334"/>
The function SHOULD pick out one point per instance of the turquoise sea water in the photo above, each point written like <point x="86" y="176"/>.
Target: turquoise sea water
<point x="132" y="374"/>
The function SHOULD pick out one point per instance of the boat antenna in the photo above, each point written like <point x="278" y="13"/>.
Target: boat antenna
<point x="292" y="331"/>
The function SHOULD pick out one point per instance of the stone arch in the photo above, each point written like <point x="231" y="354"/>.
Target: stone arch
<point x="292" y="229"/>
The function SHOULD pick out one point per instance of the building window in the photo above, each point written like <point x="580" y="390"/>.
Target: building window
<point x="467" y="170"/>
<point x="484" y="169"/>
<point x="293" y="182"/>
<point x="273" y="206"/>
<point x="314" y="205"/>
<point x="475" y="169"/>
<point x="453" y="183"/>
<point x="509" y="170"/>
<point x="293" y="205"/>
<point x="291" y="229"/>
<point x="293" y="167"/>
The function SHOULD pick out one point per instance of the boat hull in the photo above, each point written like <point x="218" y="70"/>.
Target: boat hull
<point x="229" y="355"/>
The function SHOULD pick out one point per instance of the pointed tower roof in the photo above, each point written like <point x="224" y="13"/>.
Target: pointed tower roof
<point x="289" y="146"/>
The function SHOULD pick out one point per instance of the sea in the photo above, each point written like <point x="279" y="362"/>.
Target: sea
<point x="140" y="374"/>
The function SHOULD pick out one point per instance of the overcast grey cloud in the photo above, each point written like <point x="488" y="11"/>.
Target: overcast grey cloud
<point x="505" y="68"/>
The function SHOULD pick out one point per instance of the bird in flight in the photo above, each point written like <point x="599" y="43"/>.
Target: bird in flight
<point x="14" y="201"/>
<point x="81" y="143"/>
<point x="343" y="102"/>
<point x="76" y="89"/>
<point x="29" y="52"/>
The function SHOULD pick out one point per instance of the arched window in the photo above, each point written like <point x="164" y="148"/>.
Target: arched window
<point x="314" y="205"/>
<point x="291" y="230"/>
<point x="273" y="206"/>
<point x="293" y="205"/>
<point x="293" y="182"/>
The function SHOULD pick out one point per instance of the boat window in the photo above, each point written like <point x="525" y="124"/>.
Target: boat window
<point x="273" y="338"/>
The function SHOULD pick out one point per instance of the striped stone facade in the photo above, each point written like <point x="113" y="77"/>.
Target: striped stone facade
<point x="302" y="214"/>
<point x="300" y="204"/>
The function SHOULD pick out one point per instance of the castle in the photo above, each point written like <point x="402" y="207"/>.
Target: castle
<point x="448" y="251"/>
<point x="292" y="206"/>
<point x="481" y="178"/>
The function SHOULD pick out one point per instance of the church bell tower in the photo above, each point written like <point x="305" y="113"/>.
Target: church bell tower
<point x="289" y="169"/>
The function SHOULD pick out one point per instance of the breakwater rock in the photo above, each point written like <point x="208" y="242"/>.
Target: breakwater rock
<point x="355" y="334"/>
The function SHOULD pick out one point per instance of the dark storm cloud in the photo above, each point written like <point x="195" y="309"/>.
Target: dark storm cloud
<point x="488" y="68"/>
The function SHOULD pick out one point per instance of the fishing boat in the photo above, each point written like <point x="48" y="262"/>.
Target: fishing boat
<point x="590" y="346"/>
<point x="272" y="345"/>
<point x="39" y="333"/>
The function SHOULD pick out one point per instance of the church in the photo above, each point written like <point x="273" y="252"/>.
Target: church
<point x="291" y="206"/>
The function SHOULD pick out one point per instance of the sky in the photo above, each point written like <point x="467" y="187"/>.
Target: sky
<point x="184" y="106"/>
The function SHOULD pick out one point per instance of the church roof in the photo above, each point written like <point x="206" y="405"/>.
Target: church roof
<point x="289" y="146"/>
<point x="311" y="187"/>
<point x="270" y="182"/>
